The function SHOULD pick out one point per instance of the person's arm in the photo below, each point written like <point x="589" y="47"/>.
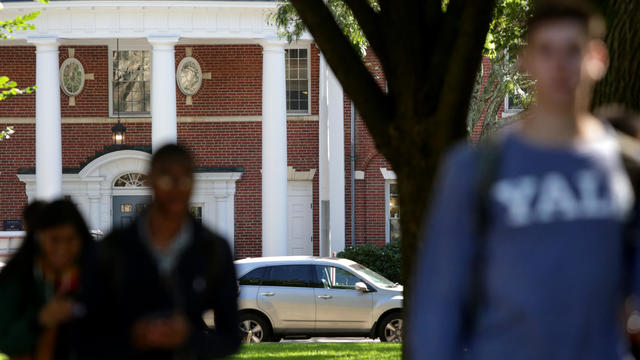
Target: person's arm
<point x="225" y="339"/>
<point x="18" y="332"/>
<point x="442" y="280"/>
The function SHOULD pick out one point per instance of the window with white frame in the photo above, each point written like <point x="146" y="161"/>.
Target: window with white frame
<point x="131" y="82"/>
<point x="513" y="102"/>
<point x="393" y="215"/>
<point x="297" y="75"/>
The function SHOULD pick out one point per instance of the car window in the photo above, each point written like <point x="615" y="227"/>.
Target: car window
<point x="331" y="277"/>
<point x="254" y="277"/>
<point x="290" y="275"/>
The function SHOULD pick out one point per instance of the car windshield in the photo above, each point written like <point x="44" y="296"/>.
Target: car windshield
<point x="373" y="276"/>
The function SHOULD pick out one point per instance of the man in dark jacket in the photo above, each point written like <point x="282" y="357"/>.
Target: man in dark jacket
<point x="152" y="280"/>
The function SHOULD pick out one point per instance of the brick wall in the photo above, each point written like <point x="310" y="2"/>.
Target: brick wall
<point x="94" y="98"/>
<point x="477" y="130"/>
<point x="369" y="193"/>
<point x="235" y="89"/>
<point x="19" y="64"/>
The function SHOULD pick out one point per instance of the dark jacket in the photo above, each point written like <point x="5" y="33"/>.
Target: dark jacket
<point x="22" y="296"/>
<point x="20" y="301"/>
<point x="123" y="285"/>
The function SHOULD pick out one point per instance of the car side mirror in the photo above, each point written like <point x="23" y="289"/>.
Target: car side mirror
<point x="360" y="286"/>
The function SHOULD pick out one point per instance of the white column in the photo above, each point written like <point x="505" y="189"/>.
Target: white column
<point x="48" y="121"/>
<point x="323" y="151"/>
<point x="94" y="211"/>
<point x="94" y="196"/>
<point x="164" y="128"/>
<point x="336" y="164"/>
<point x="274" y="150"/>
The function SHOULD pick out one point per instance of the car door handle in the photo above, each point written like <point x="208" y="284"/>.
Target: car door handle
<point x="325" y="297"/>
<point x="267" y="293"/>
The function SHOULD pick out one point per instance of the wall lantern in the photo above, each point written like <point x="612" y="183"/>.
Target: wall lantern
<point x="118" y="134"/>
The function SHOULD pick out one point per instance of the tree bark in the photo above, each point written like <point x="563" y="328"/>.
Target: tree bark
<point x="622" y="83"/>
<point x="430" y="59"/>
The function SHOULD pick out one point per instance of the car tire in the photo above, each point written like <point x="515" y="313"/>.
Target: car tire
<point x="390" y="327"/>
<point x="258" y="326"/>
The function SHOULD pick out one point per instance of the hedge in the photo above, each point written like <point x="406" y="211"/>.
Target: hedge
<point x="384" y="260"/>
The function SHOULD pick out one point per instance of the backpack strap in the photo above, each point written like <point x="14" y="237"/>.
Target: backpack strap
<point x="488" y="162"/>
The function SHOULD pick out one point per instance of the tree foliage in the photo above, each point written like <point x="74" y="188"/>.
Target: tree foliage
<point x="504" y="41"/>
<point x="291" y="27"/>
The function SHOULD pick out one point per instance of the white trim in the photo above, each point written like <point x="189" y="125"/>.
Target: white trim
<point x="135" y="19"/>
<point x="181" y="66"/>
<point x="387" y="199"/>
<point x="294" y="175"/>
<point x="388" y="174"/>
<point x="65" y="63"/>
<point x="147" y="119"/>
<point x="92" y="190"/>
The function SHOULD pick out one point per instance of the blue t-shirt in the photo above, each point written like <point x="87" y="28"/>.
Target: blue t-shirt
<point x="552" y="282"/>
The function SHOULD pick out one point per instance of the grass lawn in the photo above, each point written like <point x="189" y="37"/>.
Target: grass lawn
<point x="314" y="351"/>
<point x="319" y="351"/>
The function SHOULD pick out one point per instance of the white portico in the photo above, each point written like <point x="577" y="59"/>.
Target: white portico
<point x="157" y="27"/>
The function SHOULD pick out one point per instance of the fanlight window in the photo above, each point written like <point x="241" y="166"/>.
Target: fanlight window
<point x="132" y="180"/>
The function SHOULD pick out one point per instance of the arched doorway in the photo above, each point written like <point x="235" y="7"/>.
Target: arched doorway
<point x="117" y="178"/>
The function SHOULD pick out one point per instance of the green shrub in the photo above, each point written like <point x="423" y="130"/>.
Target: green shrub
<point x="384" y="260"/>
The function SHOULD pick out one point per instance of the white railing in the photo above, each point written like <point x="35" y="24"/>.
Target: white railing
<point x="10" y="241"/>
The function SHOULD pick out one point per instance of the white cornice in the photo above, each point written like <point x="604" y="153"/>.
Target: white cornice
<point x="139" y="19"/>
<point x="144" y="4"/>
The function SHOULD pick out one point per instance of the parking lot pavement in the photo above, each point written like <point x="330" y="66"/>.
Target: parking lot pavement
<point x="332" y="340"/>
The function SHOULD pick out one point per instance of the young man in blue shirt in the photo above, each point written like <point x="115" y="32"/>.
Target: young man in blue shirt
<point x="536" y="267"/>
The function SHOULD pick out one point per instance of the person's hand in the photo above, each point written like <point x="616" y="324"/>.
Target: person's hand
<point x="163" y="333"/>
<point x="55" y="312"/>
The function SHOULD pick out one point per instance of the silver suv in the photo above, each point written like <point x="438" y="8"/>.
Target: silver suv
<point x="306" y="296"/>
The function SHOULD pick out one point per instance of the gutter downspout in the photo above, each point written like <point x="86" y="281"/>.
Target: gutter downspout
<point x="353" y="175"/>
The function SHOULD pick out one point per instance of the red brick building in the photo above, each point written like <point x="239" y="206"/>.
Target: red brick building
<point x="268" y="125"/>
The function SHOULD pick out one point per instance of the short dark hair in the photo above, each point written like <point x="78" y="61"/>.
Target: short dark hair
<point x="575" y="10"/>
<point x="172" y="153"/>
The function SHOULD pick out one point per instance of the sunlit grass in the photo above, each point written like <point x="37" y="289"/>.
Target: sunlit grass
<point x="314" y="351"/>
<point x="320" y="351"/>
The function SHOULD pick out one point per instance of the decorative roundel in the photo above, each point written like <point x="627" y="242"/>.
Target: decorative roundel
<point x="71" y="77"/>
<point x="189" y="76"/>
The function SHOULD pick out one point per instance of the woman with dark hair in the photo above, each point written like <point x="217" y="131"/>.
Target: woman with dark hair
<point x="39" y="283"/>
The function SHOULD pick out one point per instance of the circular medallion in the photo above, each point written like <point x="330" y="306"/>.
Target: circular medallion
<point x="71" y="77"/>
<point x="189" y="76"/>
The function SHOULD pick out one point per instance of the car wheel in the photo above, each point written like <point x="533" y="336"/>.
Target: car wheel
<point x="254" y="328"/>
<point x="390" y="329"/>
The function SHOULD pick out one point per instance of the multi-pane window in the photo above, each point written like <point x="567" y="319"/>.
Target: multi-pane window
<point x="131" y="81"/>
<point x="394" y="212"/>
<point x="297" y="75"/>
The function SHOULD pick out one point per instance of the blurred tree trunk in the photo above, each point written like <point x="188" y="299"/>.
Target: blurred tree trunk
<point x="430" y="58"/>
<point x="622" y="82"/>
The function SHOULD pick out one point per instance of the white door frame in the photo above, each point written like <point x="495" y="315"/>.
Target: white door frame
<point x="92" y="190"/>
